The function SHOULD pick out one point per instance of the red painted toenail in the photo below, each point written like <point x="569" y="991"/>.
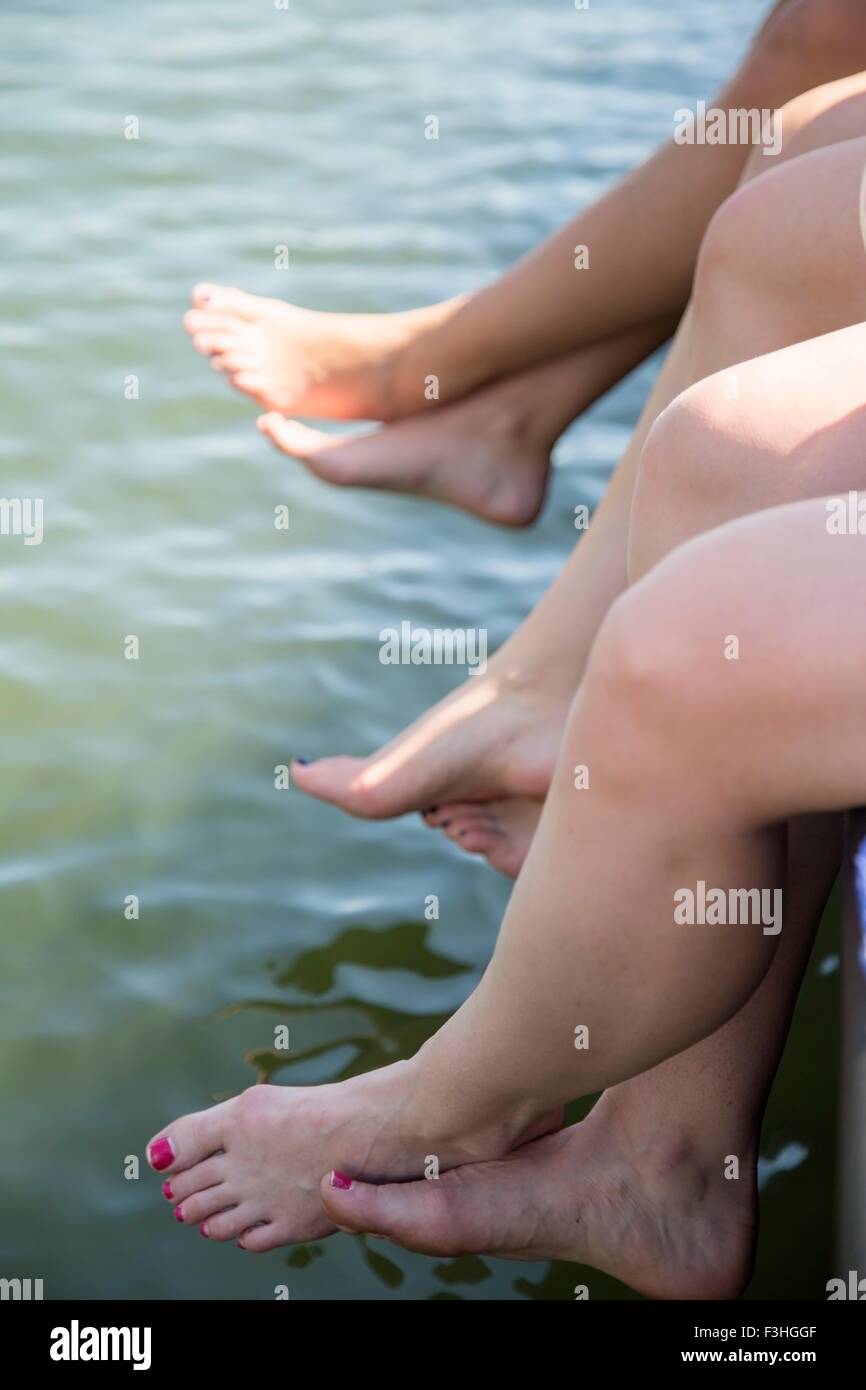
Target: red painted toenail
<point x="166" y="1190"/>
<point x="202" y="1230"/>
<point x="178" y="1213"/>
<point x="340" y="1180"/>
<point x="161" y="1154"/>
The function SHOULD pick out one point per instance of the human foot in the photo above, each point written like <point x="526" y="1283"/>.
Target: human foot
<point x="251" y="1166"/>
<point x="345" y="366"/>
<point x="499" y="831"/>
<point x="493" y="737"/>
<point x="486" y="454"/>
<point x="667" y="1223"/>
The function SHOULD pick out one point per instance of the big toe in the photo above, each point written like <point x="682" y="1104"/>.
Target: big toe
<point x="465" y="1211"/>
<point x="188" y="1140"/>
<point x="360" y="786"/>
<point x="225" y="299"/>
<point x="292" y="437"/>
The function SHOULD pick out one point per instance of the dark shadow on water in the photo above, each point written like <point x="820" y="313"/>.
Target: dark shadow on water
<point x="378" y="1034"/>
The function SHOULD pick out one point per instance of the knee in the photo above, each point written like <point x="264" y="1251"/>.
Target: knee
<point x="684" y="474"/>
<point x="642" y="695"/>
<point x="830" y="35"/>
<point x="736" y="251"/>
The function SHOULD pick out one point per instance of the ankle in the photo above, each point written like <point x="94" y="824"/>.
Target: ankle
<point x="669" y="1150"/>
<point x="440" y="1118"/>
<point x="430" y="344"/>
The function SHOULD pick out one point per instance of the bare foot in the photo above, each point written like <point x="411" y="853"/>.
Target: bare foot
<point x="667" y="1224"/>
<point x="344" y="366"/>
<point x="500" y="831"/>
<point x="251" y="1167"/>
<point x="487" y="454"/>
<point x="492" y="738"/>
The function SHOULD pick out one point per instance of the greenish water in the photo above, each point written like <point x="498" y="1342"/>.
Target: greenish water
<point x="154" y="777"/>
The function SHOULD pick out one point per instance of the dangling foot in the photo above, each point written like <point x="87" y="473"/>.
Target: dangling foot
<point x="667" y="1224"/>
<point x="485" y="454"/>
<point x="492" y="738"/>
<point x="345" y="366"/>
<point x="251" y="1167"/>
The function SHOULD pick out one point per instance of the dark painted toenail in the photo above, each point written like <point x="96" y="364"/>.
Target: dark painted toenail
<point x="340" y="1180"/>
<point x="445" y="824"/>
<point x="431" y="811"/>
<point x="178" y="1213"/>
<point x="166" y="1190"/>
<point x="303" y="761"/>
<point x="161" y="1154"/>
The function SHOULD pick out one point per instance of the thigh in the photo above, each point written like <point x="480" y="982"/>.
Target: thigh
<point x="780" y="428"/>
<point x="783" y="259"/>
<point x="826" y="115"/>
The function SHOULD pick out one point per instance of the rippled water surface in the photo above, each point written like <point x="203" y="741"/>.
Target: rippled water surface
<point x="261" y="127"/>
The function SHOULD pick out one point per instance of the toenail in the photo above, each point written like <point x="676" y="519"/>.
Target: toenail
<point x="202" y="1230"/>
<point x="303" y="761"/>
<point x="340" y="1180"/>
<point x="178" y="1213"/>
<point x="161" y="1154"/>
<point x="166" y="1190"/>
<point x="445" y="824"/>
<point x="431" y="810"/>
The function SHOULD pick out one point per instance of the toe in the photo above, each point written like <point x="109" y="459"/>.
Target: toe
<point x="228" y="1225"/>
<point x="234" y="358"/>
<point x="206" y="321"/>
<point x="258" y="1239"/>
<point x="291" y="436"/>
<point x="201" y="295"/>
<point x="349" y="783"/>
<point x="208" y="342"/>
<point x="475" y="837"/>
<point x="226" y="299"/>
<point x="252" y="383"/>
<point x="188" y="1140"/>
<point x="201" y="1205"/>
<point x="269" y="1235"/>
<point x="445" y="1217"/>
<point x="198" y="1178"/>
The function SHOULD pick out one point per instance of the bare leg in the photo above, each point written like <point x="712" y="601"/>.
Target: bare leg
<point x="377" y="366"/>
<point x="691" y="780"/>
<point x="495" y="737"/>
<point x="638" y="1189"/>
<point x="488" y="453"/>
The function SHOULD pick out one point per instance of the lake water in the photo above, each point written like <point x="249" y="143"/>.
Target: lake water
<point x="154" y="777"/>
